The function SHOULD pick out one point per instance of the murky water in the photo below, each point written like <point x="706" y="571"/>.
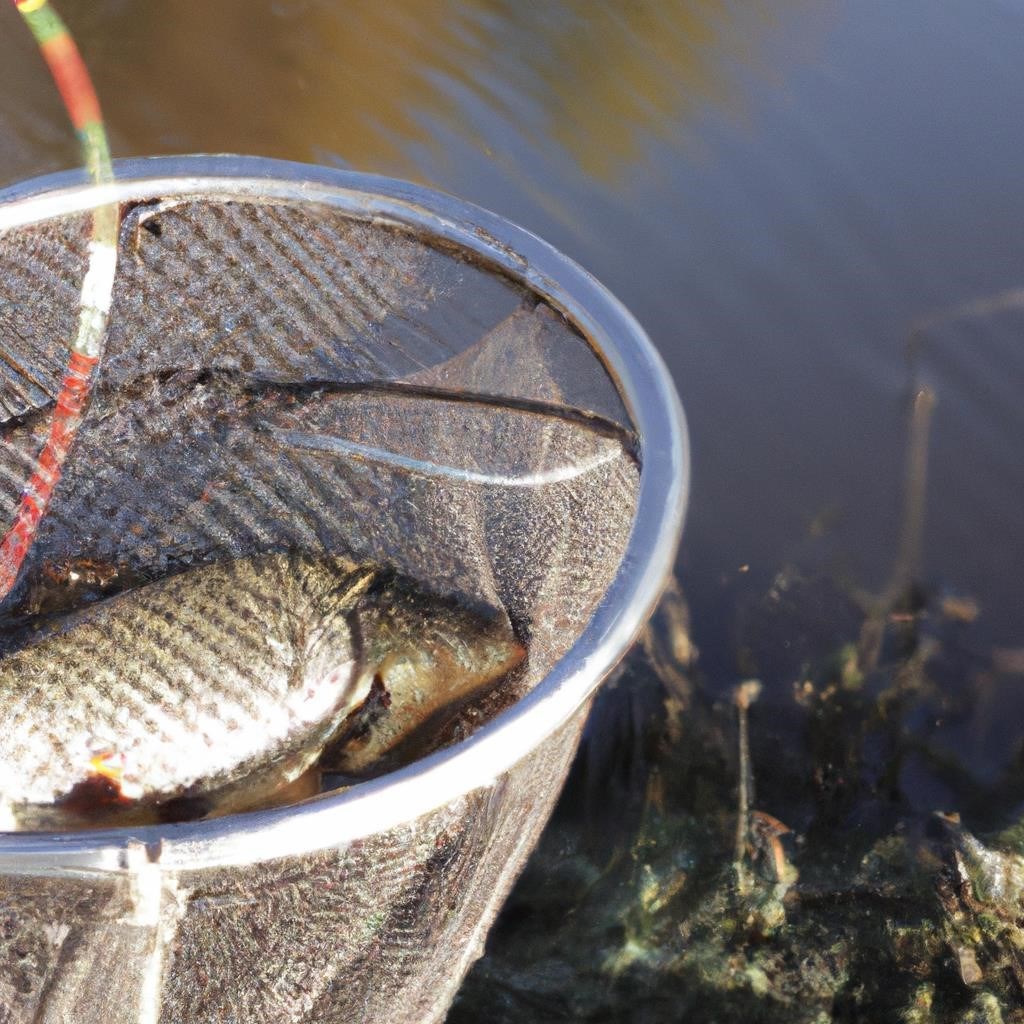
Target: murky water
<point x="780" y="195"/>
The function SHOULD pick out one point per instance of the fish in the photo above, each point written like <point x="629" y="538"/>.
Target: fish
<point x="212" y="690"/>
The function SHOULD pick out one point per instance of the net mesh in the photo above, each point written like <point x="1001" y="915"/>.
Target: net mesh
<point x="281" y="376"/>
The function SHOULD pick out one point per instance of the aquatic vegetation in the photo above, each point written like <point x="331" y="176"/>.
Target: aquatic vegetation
<point x="802" y="875"/>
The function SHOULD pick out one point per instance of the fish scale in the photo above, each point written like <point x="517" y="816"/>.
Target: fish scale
<point x="65" y="693"/>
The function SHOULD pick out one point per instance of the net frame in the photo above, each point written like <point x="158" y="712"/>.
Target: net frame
<point x="448" y="775"/>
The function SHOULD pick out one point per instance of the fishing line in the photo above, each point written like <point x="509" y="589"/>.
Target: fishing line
<point x="86" y="349"/>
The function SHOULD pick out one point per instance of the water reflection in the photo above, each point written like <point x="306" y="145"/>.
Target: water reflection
<point x="366" y="80"/>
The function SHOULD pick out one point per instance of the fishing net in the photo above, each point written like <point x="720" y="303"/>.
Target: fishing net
<point x="299" y="373"/>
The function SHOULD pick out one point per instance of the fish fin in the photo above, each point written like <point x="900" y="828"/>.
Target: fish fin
<point x="336" y="612"/>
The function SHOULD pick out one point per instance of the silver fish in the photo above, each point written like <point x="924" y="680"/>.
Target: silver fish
<point x="212" y="690"/>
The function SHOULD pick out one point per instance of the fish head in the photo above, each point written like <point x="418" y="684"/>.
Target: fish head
<point x="424" y="657"/>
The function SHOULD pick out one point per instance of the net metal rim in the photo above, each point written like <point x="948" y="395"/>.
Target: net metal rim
<point x="335" y="819"/>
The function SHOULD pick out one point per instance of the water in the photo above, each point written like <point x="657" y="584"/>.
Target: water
<point x="779" y="196"/>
